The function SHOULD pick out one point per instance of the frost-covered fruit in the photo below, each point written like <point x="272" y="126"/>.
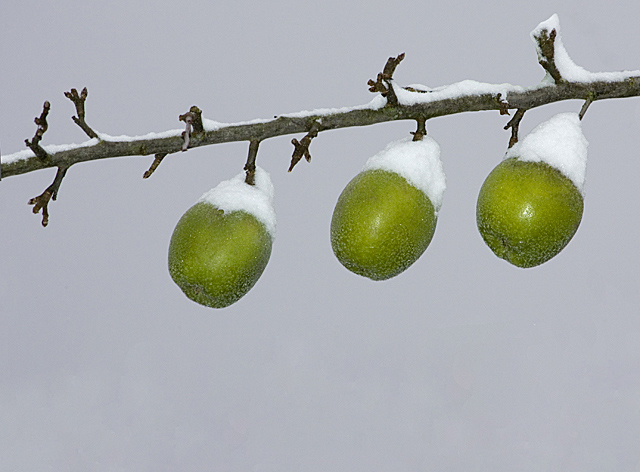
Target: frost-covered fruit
<point x="216" y="257"/>
<point x="381" y="224"/>
<point x="527" y="212"/>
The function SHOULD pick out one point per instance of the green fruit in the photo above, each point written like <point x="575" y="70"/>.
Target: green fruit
<point x="527" y="212"/>
<point x="217" y="257"/>
<point x="381" y="224"/>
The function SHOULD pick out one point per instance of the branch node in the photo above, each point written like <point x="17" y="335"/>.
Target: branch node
<point x="41" y="202"/>
<point x="154" y="165"/>
<point x="250" y="166"/>
<point x="504" y="105"/>
<point x="514" y="124"/>
<point x="301" y="148"/>
<point x="79" y="101"/>
<point x="41" y="121"/>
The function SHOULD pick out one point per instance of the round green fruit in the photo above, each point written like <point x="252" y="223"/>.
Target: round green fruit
<point x="527" y="212"/>
<point x="381" y="224"/>
<point x="217" y="257"/>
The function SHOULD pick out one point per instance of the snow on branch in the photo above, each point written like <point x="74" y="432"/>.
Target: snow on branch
<point x="564" y="80"/>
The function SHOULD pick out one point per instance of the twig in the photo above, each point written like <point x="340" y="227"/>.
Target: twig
<point x="41" y="121"/>
<point x="585" y="106"/>
<point x="514" y="124"/>
<point x="382" y="84"/>
<point x="546" y="46"/>
<point x="41" y="202"/>
<point x="154" y="165"/>
<point x="301" y="148"/>
<point x="250" y="166"/>
<point x="78" y="101"/>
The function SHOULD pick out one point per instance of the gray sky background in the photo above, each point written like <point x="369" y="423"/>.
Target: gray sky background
<point x="461" y="363"/>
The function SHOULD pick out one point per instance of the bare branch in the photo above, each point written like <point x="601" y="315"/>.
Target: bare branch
<point x="41" y="121"/>
<point x="41" y="202"/>
<point x="301" y="148"/>
<point x="78" y="101"/>
<point x="590" y="98"/>
<point x="334" y="119"/>
<point x="154" y="165"/>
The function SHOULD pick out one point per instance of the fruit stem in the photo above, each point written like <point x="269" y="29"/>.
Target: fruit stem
<point x="250" y="166"/>
<point x="590" y="98"/>
<point x="514" y="124"/>
<point x="421" y="130"/>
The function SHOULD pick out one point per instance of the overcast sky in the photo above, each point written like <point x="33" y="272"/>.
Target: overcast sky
<point x="461" y="363"/>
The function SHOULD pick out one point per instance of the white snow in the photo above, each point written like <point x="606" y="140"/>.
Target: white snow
<point x="418" y="162"/>
<point x="378" y="102"/>
<point x="162" y="134"/>
<point x="236" y="195"/>
<point x="568" y="69"/>
<point x="465" y="88"/>
<point x="50" y="148"/>
<point x="560" y="143"/>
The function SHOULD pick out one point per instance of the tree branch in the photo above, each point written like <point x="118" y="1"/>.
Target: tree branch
<point x="301" y="122"/>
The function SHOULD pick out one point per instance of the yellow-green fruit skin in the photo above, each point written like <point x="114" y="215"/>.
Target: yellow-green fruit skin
<point x="527" y="212"/>
<point x="381" y="224"/>
<point x="217" y="257"/>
